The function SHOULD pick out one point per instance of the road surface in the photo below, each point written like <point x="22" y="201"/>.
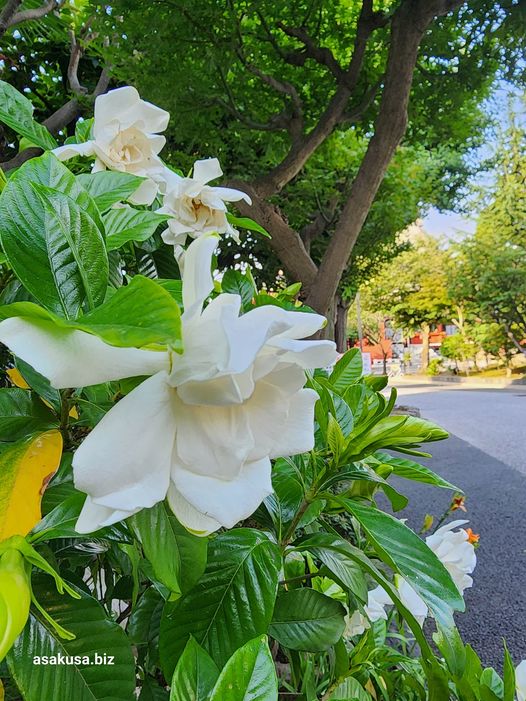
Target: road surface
<point x="486" y="457"/>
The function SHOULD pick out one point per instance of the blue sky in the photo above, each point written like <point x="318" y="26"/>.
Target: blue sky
<point x="454" y="225"/>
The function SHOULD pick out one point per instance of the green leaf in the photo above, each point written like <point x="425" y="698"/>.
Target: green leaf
<point x="145" y="622"/>
<point x="54" y="247"/>
<point x="347" y="370"/>
<point x="414" y="471"/>
<point x="128" y="224"/>
<point x="84" y="680"/>
<point x="232" y="602"/>
<point x="22" y="413"/>
<point x="399" y="547"/>
<point x="247" y="223"/>
<point x="83" y="129"/>
<point x="249" y="675"/>
<point x="139" y="314"/>
<point x="17" y="112"/>
<point x="151" y="691"/>
<point x="508" y="676"/>
<point x="347" y="572"/>
<point x="395" y="432"/>
<point x="39" y="384"/>
<point x="109" y="187"/>
<point x="306" y="620"/>
<point x="236" y="283"/>
<point x="195" y="674"/>
<point x="349" y="690"/>
<point x="49" y="171"/>
<point x="178" y="557"/>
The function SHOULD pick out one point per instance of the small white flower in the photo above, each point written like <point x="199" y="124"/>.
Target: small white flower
<point x="520" y="681"/>
<point x="125" y="138"/>
<point x="202" y="428"/>
<point x="197" y="208"/>
<point x="455" y="552"/>
<point x="377" y="600"/>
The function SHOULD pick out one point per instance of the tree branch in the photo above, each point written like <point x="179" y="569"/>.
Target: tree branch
<point x="408" y="26"/>
<point x="285" y="241"/>
<point x="301" y="150"/>
<point x="9" y="16"/>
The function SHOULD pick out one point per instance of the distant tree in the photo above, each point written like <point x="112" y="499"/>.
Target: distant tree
<point x="412" y="290"/>
<point x="489" y="273"/>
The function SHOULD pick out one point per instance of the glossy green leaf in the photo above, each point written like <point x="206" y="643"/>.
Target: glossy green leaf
<point x="346" y="571"/>
<point x="249" y="675"/>
<point x="414" y="471"/>
<point x="127" y="224"/>
<point x="178" y="557"/>
<point x="54" y="247"/>
<point x="151" y="691"/>
<point x="306" y="620"/>
<point x="22" y="413"/>
<point x="398" y="546"/>
<point x="83" y="680"/>
<point x="39" y="384"/>
<point x="234" y="282"/>
<point x="139" y="314"/>
<point x="509" y="679"/>
<point x="108" y="187"/>
<point x="145" y="622"/>
<point x="396" y="432"/>
<point x="195" y="674"/>
<point x="347" y="370"/>
<point x="17" y="112"/>
<point x="232" y="602"/>
<point x="49" y="171"/>
<point x="247" y="223"/>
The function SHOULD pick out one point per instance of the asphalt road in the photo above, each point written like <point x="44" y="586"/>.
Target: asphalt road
<point x="486" y="457"/>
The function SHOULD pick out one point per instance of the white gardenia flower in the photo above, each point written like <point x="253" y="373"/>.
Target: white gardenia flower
<point x="197" y="208"/>
<point x="455" y="552"/>
<point x="377" y="600"/>
<point x="125" y="138"/>
<point x="520" y="681"/>
<point x="411" y="600"/>
<point x="202" y="428"/>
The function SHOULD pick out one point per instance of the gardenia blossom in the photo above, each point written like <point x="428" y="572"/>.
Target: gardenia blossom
<point x="125" y="138"/>
<point x="377" y="600"/>
<point x="520" y="681"/>
<point x="197" y="208"/>
<point x="202" y="428"/>
<point x="455" y="552"/>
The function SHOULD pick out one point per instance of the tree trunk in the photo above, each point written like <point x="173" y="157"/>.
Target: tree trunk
<point x="424" y="359"/>
<point x="340" y="327"/>
<point x="385" y="363"/>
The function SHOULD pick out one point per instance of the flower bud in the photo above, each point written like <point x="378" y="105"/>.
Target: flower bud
<point x="15" y="598"/>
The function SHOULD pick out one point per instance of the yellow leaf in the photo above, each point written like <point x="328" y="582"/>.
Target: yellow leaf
<point x="16" y="378"/>
<point x="26" y="467"/>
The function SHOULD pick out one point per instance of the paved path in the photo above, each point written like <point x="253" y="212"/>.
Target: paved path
<point x="486" y="457"/>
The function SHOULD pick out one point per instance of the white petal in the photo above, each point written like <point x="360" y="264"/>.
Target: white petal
<point x="206" y="170"/>
<point x="153" y="119"/>
<point x="188" y="515"/>
<point x="520" y="680"/>
<point x="145" y="193"/>
<point x="226" y="501"/>
<point x="71" y="358"/>
<point x="92" y="517"/>
<point x="124" y="463"/>
<point x="229" y="194"/>
<point x="197" y="275"/>
<point x="213" y="440"/>
<point x="297" y="434"/>
<point x="307" y="354"/>
<point x="64" y="153"/>
<point x="111" y="105"/>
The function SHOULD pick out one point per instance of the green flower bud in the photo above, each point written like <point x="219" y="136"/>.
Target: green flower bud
<point x="15" y="597"/>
